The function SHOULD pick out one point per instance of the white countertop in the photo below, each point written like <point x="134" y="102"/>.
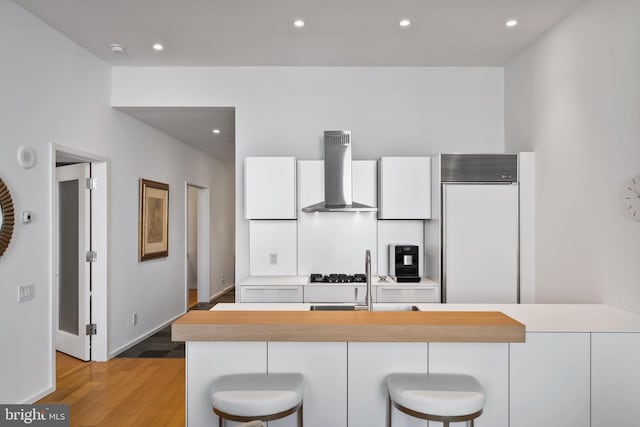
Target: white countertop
<point x="537" y="317"/>
<point x="304" y="280"/>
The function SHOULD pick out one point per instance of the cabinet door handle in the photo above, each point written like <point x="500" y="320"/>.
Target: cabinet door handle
<point x="271" y="288"/>
<point x="409" y="289"/>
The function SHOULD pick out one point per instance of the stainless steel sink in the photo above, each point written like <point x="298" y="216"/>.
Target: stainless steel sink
<point x="376" y="307"/>
<point x="332" y="308"/>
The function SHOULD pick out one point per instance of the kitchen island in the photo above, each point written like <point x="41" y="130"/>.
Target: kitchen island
<point x="576" y="367"/>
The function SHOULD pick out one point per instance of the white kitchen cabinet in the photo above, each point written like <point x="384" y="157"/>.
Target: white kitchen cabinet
<point x="273" y="247"/>
<point x="271" y="293"/>
<point x="407" y="293"/>
<point x="615" y="379"/>
<point x="335" y="293"/>
<point x="549" y="381"/>
<point x="270" y="187"/>
<point x="404" y="190"/>
<point x="324" y="367"/>
<point x="489" y="364"/>
<point x="369" y="365"/>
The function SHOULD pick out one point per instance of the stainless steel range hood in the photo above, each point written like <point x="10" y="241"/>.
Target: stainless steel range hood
<point x="337" y="176"/>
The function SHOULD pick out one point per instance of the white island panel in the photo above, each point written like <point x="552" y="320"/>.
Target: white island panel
<point x="324" y="366"/>
<point x="208" y="360"/>
<point x="549" y="380"/>
<point x="615" y="380"/>
<point x="369" y="365"/>
<point x="488" y="363"/>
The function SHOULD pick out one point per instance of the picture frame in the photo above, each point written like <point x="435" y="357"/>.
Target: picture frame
<point x="153" y="220"/>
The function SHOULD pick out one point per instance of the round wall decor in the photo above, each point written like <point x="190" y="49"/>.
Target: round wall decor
<point x="6" y="217"/>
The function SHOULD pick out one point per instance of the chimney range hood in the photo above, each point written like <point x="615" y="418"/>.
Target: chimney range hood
<point x="337" y="176"/>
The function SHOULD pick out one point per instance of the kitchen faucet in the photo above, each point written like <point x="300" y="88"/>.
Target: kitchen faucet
<point x="368" y="305"/>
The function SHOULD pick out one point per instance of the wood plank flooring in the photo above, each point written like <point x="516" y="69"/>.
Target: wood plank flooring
<point x="193" y="297"/>
<point x="121" y="392"/>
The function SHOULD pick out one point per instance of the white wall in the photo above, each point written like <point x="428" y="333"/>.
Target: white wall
<point x="283" y="111"/>
<point x="55" y="91"/>
<point x="574" y="99"/>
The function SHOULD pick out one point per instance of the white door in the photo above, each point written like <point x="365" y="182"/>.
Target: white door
<point x="73" y="270"/>
<point x="480" y="243"/>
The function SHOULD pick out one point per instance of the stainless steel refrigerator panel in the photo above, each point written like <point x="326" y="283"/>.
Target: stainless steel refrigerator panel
<point x="479" y="168"/>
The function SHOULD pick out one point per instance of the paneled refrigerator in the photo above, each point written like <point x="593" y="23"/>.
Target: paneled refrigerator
<point x="480" y="231"/>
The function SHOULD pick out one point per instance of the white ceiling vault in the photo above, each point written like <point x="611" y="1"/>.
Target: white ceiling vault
<point x="337" y="32"/>
<point x="261" y="33"/>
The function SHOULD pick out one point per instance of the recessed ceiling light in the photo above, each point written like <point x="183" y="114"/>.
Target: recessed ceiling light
<point x="158" y="47"/>
<point x="216" y="131"/>
<point x="511" y="23"/>
<point x="405" y="23"/>
<point x="117" y="48"/>
<point x="298" y="23"/>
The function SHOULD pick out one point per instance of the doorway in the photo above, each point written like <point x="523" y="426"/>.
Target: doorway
<point x="197" y="232"/>
<point x="79" y="255"/>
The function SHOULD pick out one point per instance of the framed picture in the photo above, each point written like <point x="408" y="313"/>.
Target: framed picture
<point x="153" y="220"/>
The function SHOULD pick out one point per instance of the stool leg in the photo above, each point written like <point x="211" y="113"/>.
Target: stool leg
<point x="390" y="411"/>
<point x="220" y="422"/>
<point x="300" y="416"/>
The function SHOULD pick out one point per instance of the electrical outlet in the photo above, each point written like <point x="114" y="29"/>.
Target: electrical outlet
<point x="134" y="319"/>
<point x="223" y="279"/>
<point x="26" y="292"/>
<point x="273" y="258"/>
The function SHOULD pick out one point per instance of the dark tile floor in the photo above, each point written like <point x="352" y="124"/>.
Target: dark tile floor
<point x="159" y="345"/>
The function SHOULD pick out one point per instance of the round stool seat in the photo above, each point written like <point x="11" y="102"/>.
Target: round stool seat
<point x="251" y="395"/>
<point x="444" y="395"/>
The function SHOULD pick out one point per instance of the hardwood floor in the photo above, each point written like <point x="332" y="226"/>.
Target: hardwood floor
<point x="193" y="297"/>
<point x="121" y="392"/>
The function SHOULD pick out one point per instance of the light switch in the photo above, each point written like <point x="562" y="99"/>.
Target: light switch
<point x="273" y="258"/>
<point x="26" y="292"/>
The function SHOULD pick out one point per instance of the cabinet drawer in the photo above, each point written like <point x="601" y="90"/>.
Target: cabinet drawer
<point x="337" y="293"/>
<point x="271" y="293"/>
<point x="399" y="293"/>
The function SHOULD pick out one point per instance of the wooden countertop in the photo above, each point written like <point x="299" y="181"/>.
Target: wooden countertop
<point x="354" y="326"/>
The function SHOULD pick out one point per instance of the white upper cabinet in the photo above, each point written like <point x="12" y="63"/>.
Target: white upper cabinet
<point x="270" y="188"/>
<point x="404" y="190"/>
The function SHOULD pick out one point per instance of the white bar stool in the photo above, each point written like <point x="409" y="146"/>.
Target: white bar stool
<point x="264" y="397"/>
<point x="446" y="398"/>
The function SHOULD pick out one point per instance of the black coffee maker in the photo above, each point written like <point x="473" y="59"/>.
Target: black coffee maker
<point x="403" y="263"/>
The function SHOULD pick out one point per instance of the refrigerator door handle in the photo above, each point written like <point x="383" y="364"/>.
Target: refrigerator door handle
<point x="443" y="233"/>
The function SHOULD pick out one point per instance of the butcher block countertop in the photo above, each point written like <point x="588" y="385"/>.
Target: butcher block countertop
<point x="344" y="326"/>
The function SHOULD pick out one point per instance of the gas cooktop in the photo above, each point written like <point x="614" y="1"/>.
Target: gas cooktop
<point x="338" y="278"/>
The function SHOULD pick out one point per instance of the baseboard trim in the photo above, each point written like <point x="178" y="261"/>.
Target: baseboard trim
<point x="222" y="292"/>
<point x="38" y="396"/>
<point x="141" y="338"/>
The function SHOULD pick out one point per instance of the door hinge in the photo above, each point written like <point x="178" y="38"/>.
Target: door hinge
<point x="91" y="183"/>
<point x="91" y="256"/>
<point x="92" y="329"/>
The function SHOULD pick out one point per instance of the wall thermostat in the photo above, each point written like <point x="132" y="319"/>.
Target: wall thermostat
<point x="27" y="217"/>
<point x="26" y="157"/>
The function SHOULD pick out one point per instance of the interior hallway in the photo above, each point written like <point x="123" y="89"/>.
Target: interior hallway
<point x="125" y="391"/>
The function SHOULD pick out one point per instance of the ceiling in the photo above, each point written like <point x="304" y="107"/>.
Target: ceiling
<point x="261" y="33"/>
<point x="337" y="32"/>
<point x="194" y="126"/>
